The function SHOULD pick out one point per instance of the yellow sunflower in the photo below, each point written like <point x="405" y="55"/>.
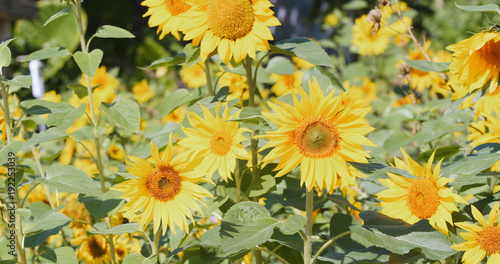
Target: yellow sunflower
<point x="485" y="131"/>
<point x="476" y="61"/>
<point x="361" y="96"/>
<point x="284" y="84"/>
<point x="423" y="197"/>
<point x="142" y="92"/>
<point x="166" y="15"/>
<point x="319" y="134"/>
<point x="233" y="28"/>
<point x="193" y="76"/>
<point x="165" y="190"/>
<point x="216" y="140"/>
<point x="237" y="83"/>
<point x="94" y="250"/>
<point x="481" y="240"/>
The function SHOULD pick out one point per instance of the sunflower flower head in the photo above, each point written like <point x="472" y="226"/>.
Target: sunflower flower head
<point x="217" y="140"/>
<point x="94" y="249"/>
<point x="481" y="240"/>
<point x="166" y="15"/>
<point x="423" y="197"/>
<point x="318" y="133"/>
<point x="165" y="189"/>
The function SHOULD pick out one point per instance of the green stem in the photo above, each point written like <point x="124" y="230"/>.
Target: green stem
<point x="36" y="155"/>
<point x="250" y="81"/>
<point x="6" y="110"/>
<point x="329" y="243"/>
<point x="309" y="224"/>
<point x="271" y="253"/>
<point x="156" y="246"/>
<point x="208" y="75"/>
<point x="237" y="180"/>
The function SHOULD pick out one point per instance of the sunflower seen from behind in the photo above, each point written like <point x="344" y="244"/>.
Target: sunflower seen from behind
<point x="216" y="139"/>
<point x="232" y="28"/>
<point x="166" y="15"/>
<point x="423" y="197"/>
<point x="166" y="190"/>
<point x="318" y="133"/>
<point x="482" y="240"/>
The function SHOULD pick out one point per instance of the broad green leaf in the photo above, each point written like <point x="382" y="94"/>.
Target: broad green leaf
<point x="40" y="229"/>
<point x="165" y="62"/>
<point x="280" y="65"/>
<point x="57" y="15"/>
<point x="221" y="94"/>
<point x="70" y="179"/>
<point x="354" y="5"/>
<point x="175" y="100"/>
<point x="66" y="119"/>
<point x="125" y="113"/>
<point x="441" y="152"/>
<point x="46" y="135"/>
<point x="80" y="90"/>
<point x="435" y="129"/>
<point x="372" y="255"/>
<point x="47" y="53"/>
<point x="293" y="224"/>
<point x="137" y="258"/>
<point x="20" y="81"/>
<point x="192" y="54"/>
<point x="261" y="186"/>
<point x="472" y="165"/>
<point x="61" y="255"/>
<point x="108" y="31"/>
<point x="340" y="223"/>
<point x="482" y="8"/>
<point x="41" y="107"/>
<point x="252" y="116"/>
<point x="324" y="82"/>
<point x="23" y="212"/>
<point x="5" y="57"/>
<point x="10" y="151"/>
<point x="400" y="237"/>
<point x="399" y="139"/>
<point x="305" y="49"/>
<point x="100" y="207"/>
<point x="118" y="230"/>
<point x="4" y="44"/>
<point x="88" y="62"/>
<point x="428" y="66"/>
<point x="376" y="169"/>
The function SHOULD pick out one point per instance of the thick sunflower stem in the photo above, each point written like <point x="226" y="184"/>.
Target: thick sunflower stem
<point x="237" y="181"/>
<point x="156" y="242"/>
<point x="6" y="111"/>
<point x="208" y="75"/>
<point x="309" y="225"/>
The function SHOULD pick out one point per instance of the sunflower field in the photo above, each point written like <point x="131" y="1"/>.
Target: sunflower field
<point x="250" y="131"/>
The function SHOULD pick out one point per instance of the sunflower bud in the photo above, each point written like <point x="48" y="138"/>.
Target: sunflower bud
<point x="374" y="17"/>
<point x="385" y="3"/>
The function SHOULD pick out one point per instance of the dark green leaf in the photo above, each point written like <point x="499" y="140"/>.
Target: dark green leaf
<point x="57" y="15"/>
<point x="252" y="115"/>
<point x="88" y="62"/>
<point x="108" y="31"/>
<point x="100" y="207"/>
<point x="47" y="53"/>
<point x="261" y="186"/>
<point x="41" y="107"/>
<point x="340" y="223"/>
<point x="442" y="152"/>
<point x="165" y="62"/>
<point x="125" y="113"/>
<point x="293" y="224"/>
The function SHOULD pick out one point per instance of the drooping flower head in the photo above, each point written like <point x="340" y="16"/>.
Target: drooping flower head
<point x="318" y="133"/>
<point x="215" y="139"/>
<point x="165" y="190"/>
<point x="233" y="28"/>
<point x="481" y="240"/>
<point x="423" y="197"/>
<point x="166" y="15"/>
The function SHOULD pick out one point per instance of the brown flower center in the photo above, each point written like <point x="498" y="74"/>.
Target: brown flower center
<point x="317" y="137"/>
<point x="230" y="19"/>
<point x="164" y="183"/>
<point x="97" y="246"/>
<point x="221" y="142"/>
<point x="489" y="239"/>
<point x="423" y="198"/>
<point x="490" y="52"/>
<point x="176" y="7"/>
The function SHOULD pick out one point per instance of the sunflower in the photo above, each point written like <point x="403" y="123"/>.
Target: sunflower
<point x="483" y="240"/>
<point x="476" y="61"/>
<point x="166" y="15"/>
<point x="94" y="250"/>
<point x="165" y="190"/>
<point x="423" y="197"/>
<point x="193" y="76"/>
<point x="142" y="92"/>
<point x="284" y="84"/>
<point x="361" y="96"/>
<point x="238" y="85"/>
<point x="485" y="131"/>
<point x="234" y="28"/>
<point x="320" y="134"/>
<point x="216" y="140"/>
<point x="117" y="153"/>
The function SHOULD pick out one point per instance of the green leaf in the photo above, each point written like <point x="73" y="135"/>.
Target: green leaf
<point x="482" y="8"/>
<point x="20" y="81"/>
<point x="428" y="66"/>
<point x="47" y="53"/>
<point x="88" y="62"/>
<point x="192" y="54"/>
<point x="66" y="119"/>
<point x="280" y="65"/>
<point x="293" y="224"/>
<point x="252" y="116"/>
<point x="108" y="31"/>
<point x="5" y="57"/>
<point x="80" y="90"/>
<point x="46" y="135"/>
<point x="118" y="230"/>
<point x="472" y="165"/>
<point x="261" y="186"/>
<point x="125" y="112"/>
<point x="324" y="82"/>
<point x="400" y="237"/>
<point x="101" y="207"/>
<point x="376" y="169"/>
<point x="340" y="223"/>
<point x="137" y="258"/>
<point x="62" y="255"/>
<point x="435" y="129"/>
<point x="40" y="229"/>
<point x="70" y="179"/>
<point x="4" y="44"/>
<point x="165" y="62"/>
<point x="305" y="49"/>
<point x="13" y="147"/>
<point x="57" y="15"/>
<point x="370" y="255"/>
<point x="175" y="100"/>
<point x="441" y="152"/>
<point x="42" y="107"/>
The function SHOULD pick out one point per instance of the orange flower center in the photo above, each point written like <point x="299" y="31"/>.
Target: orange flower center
<point x="176" y="7"/>
<point x="490" y="52"/>
<point x="317" y="137"/>
<point x="221" y="142"/>
<point x="423" y="198"/>
<point x="97" y="246"/>
<point x="164" y="183"/>
<point x="230" y="19"/>
<point x="489" y="239"/>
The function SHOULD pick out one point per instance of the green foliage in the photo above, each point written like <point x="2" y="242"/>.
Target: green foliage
<point x="125" y="113"/>
<point x="62" y="255"/>
<point x="108" y="31"/>
<point x="88" y="62"/>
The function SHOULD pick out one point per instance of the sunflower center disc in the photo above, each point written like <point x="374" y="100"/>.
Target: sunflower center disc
<point x="97" y="246"/>
<point x="488" y="239"/>
<point x="220" y="142"/>
<point x="491" y="52"/>
<point x="176" y="7"/>
<point x="230" y="19"/>
<point x="317" y="138"/>
<point x="164" y="183"/>
<point x="423" y="198"/>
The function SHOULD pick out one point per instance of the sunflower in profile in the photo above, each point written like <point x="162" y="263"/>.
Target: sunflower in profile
<point x="165" y="190"/>
<point x="166" y="15"/>
<point x="216" y="140"/>
<point x="423" y="197"/>
<point x="481" y="240"/>
<point x="234" y="29"/>
<point x="318" y="133"/>
<point x="476" y="61"/>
